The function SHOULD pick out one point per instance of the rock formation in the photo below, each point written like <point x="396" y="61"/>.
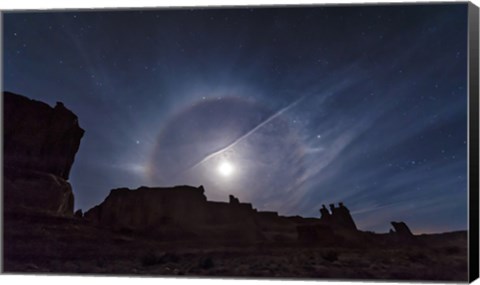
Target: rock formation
<point x="146" y="208"/>
<point x="183" y="211"/>
<point x="401" y="230"/>
<point x="40" y="143"/>
<point x="315" y="233"/>
<point x="78" y="214"/>
<point x="181" y="208"/>
<point x="333" y="226"/>
<point x="338" y="218"/>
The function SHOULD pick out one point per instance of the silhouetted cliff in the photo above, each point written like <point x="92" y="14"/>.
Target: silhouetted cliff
<point x="40" y="143"/>
<point x="185" y="211"/>
<point x="180" y="210"/>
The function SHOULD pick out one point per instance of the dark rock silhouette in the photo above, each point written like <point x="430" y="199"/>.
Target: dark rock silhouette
<point x="45" y="140"/>
<point x="233" y="200"/>
<point x="78" y="213"/>
<point x="146" y="208"/>
<point x="401" y="230"/>
<point x="338" y="218"/>
<point x="315" y="233"/>
<point x="343" y="217"/>
<point x="333" y="226"/>
<point x="324" y="214"/>
<point x="184" y="209"/>
<point x="36" y="190"/>
<point x="40" y="143"/>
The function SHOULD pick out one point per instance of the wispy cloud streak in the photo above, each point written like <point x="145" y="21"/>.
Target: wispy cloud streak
<point x="249" y="133"/>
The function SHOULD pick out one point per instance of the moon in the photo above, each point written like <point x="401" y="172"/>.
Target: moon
<point x="225" y="168"/>
<point x="269" y="160"/>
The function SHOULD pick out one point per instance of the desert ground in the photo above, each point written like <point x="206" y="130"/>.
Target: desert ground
<point x="68" y="245"/>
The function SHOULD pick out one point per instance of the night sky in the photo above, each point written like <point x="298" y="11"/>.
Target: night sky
<point x="287" y="109"/>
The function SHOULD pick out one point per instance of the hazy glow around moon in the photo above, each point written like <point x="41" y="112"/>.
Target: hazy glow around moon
<point x="225" y="168"/>
<point x="230" y="145"/>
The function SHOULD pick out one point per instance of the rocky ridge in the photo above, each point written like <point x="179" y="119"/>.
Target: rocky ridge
<point x="40" y="143"/>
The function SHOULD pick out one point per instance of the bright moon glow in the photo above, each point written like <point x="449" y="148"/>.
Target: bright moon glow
<point x="225" y="168"/>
